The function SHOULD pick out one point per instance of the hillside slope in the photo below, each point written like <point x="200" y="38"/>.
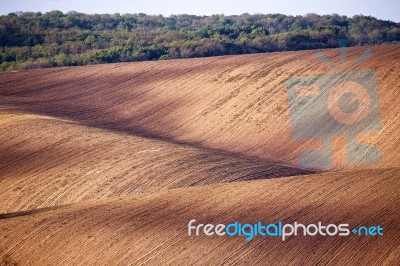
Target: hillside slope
<point x="106" y="164"/>
<point x="152" y="229"/>
<point x="47" y="162"/>
<point x="235" y="103"/>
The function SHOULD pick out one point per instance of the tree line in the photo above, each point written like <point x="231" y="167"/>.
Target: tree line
<point x="32" y="40"/>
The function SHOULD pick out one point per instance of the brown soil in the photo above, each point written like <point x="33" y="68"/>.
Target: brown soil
<point x="106" y="164"/>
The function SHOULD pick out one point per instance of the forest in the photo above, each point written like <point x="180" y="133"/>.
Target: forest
<point x="37" y="40"/>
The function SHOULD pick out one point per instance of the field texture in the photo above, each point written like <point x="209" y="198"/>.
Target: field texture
<point x="106" y="164"/>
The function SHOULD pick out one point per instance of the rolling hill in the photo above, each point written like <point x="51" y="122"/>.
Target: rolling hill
<point x="106" y="164"/>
